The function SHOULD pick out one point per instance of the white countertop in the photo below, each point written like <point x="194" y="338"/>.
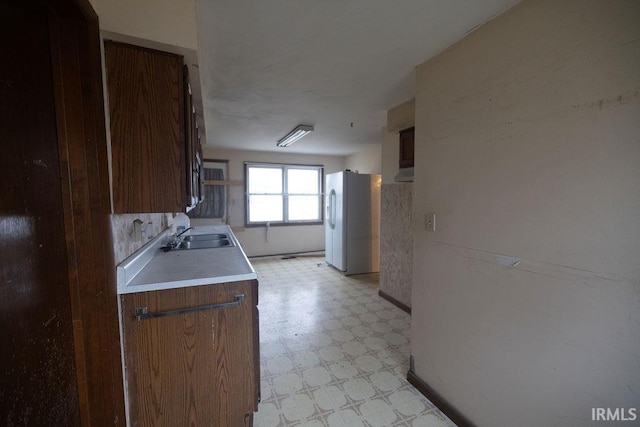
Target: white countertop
<point x="151" y="269"/>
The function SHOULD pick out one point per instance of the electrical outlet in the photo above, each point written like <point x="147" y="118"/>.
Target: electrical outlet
<point x="430" y="221"/>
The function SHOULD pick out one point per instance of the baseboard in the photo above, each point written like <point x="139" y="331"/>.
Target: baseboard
<point x="394" y="301"/>
<point x="437" y="400"/>
<point x="291" y="255"/>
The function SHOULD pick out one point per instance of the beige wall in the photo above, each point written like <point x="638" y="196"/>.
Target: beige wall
<point x="368" y="161"/>
<point x="390" y="155"/>
<point x="401" y="116"/>
<point x="166" y="21"/>
<point x="527" y="146"/>
<point x="258" y="241"/>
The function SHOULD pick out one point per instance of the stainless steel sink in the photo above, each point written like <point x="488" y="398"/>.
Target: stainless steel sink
<point x="204" y="244"/>
<point x="201" y="237"/>
<point x="200" y="241"/>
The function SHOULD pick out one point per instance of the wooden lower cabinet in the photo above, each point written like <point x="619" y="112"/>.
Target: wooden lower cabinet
<point x="199" y="367"/>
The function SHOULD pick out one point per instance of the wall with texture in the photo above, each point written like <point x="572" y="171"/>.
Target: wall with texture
<point x="396" y="221"/>
<point x="396" y="241"/>
<point x="526" y="298"/>
<point x="124" y="241"/>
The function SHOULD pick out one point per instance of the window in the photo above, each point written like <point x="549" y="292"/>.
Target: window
<point x="283" y="194"/>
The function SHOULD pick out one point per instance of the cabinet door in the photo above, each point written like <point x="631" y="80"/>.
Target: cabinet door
<point x="195" y="368"/>
<point x="146" y="108"/>
<point x="406" y="148"/>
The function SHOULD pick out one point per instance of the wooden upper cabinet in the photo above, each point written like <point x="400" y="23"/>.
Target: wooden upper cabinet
<point x="406" y="148"/>
<point x="147" y="113"/>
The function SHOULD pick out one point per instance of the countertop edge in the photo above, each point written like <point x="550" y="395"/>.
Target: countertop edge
<point x="186" y="283"/>
<point x="128" y="269"/>
<point x="138" y="261"/>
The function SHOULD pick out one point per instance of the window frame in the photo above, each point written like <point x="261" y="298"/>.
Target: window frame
<point x="285" y="195"/>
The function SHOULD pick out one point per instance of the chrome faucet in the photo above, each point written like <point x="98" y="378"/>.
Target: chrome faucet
<point x="174" y="241"/>
<point x="183" y="231"/>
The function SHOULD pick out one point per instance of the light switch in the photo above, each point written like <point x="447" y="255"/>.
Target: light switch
<point x="430" y="221"/>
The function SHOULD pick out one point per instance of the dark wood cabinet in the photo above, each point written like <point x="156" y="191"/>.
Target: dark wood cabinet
<point x="151" y="130"/>
<point x="199" y="367"/>
<point x="406" y="148"/>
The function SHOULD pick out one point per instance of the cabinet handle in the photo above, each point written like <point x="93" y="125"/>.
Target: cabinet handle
<point x="142" y="313"/>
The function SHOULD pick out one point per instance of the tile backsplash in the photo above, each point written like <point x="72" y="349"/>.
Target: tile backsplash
<point x="122" y="229"/>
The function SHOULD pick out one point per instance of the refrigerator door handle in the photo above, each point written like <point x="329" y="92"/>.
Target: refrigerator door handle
<point x="331" y="209"/>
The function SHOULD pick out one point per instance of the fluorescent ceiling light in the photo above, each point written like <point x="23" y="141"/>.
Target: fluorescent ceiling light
<point x="294" y="135"/>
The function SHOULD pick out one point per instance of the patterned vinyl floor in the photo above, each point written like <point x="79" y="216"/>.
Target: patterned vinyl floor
<point x="333" y="353"/>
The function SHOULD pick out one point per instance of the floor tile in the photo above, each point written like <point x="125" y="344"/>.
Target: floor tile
<point x="333" y="353"/>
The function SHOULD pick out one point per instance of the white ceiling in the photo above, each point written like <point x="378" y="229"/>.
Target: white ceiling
<point x="338" y="65"/>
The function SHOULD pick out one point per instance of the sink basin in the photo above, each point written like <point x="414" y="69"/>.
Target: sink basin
<point x="201" y="241"/>
<point x="204" y="244"/>
<point x="201" y="237"/>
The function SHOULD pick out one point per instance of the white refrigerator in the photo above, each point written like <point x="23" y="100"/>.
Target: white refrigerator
<point x="352" y="222"/>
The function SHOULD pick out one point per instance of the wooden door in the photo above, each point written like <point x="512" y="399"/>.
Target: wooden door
<point x="38" y="382"/>
<point x="60" y="357"/>
<point x="195" y="369"/>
